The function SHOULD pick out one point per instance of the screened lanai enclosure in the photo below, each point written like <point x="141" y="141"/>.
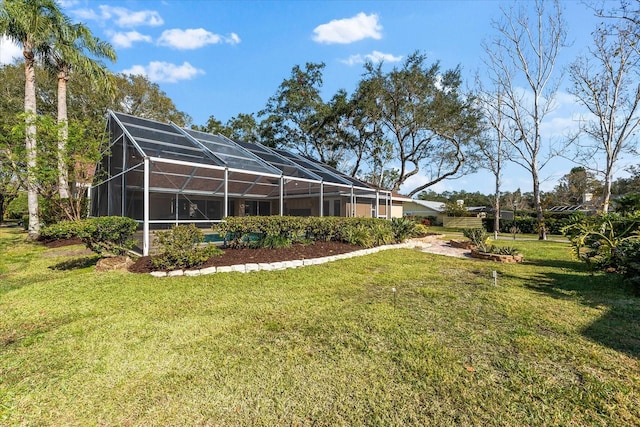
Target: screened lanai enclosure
<point x="161" y="174"/>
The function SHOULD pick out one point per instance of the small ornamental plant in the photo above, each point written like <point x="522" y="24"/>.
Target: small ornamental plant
<point x="180" y="248"/>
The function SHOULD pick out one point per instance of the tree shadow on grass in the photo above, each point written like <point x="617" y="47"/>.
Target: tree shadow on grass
<point x="76" y="263"/>
<point x="619" y="328"/>
<point x="573" y="265"/>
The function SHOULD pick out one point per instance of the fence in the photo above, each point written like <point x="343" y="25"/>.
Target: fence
<point x="462" y="222"/>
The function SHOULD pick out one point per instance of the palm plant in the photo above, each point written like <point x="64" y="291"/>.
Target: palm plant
<point x="31" y="24"/>
<point x="72" y="45"/>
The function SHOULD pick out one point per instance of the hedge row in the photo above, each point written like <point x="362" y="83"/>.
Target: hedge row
<point x="271" y="231"/>
<point x="111" y="234"/>
<point x="527" y="225"/>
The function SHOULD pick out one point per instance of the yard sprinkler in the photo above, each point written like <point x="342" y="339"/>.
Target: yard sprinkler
<point x="494" y="274"/>
<point x="394" y="297"/>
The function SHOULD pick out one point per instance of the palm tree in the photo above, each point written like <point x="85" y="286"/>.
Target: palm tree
<point x="30" y="23"/>
<point x="70" y="46"/>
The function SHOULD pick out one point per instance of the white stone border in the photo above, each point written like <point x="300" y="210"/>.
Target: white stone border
<point x="281" y="265"/>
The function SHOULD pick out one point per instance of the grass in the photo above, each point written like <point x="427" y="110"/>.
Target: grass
<point x="457" y="233"/>
<point x="321" y="345"/>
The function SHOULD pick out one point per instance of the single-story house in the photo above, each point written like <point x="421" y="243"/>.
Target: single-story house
<point x="425" y="208"/>
<point x="161" y="174"/>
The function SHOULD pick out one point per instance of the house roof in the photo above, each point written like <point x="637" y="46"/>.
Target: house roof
<point x="169" y="142"/>
<point x="431" y="205"/>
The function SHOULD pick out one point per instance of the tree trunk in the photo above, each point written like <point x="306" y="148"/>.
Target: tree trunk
<point x="30" y="140"/>
<point x="63" y="132"/>
<point x="606" y="193"/>
<point x="542" y="231"/>
<point x="496" y="209"/>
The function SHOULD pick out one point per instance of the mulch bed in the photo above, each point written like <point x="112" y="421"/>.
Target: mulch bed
<point x="61" y="243"/>
<point x="251" y="256"/>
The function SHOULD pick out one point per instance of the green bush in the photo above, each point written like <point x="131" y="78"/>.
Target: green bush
<point x="421" y="230"/>
<point x="501" y="250"/>
<point x="61" y="231"/>
<point x="273" y="242"/>
<point x="246" y="231"/>
<point x="382" y="233"/>
<point x="358" y="235"/>
<point x="554" y="224"/>
<point x="478" y="237"/>
<point x="17" y="208"/>
<point x="255" y="231"/>
<point x="323" y="228"/>
<point x="626" y="257"/>
<point x="598" y="240"/>
<point x="403" y="228"/>
<point x="180" y="248"/>
<point x="110" y="234"/>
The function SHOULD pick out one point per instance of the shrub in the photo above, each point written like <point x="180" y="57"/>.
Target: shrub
<point x="272" y="242"/>
<point x="257" y="231"/>
<point x="478" y="237"/>
<point x="553" y="224"/>
<point x="403" y="228"/>
<point x="180" y="248"/>
<point x="358" y="235"/>
<point x="502" y="250"/>
<point x="247" y="231"/>
<point x="421" y="230"/>
<point x="17" y="208"/>
<point x="382" y="233"/>
<point x="626" y="257"/>
<point x="110" y="234"/>
<point x="598" y="240"/>
<point x="323" y="228"/>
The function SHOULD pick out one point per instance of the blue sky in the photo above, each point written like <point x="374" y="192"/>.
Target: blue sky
<point x="223" y="58"/>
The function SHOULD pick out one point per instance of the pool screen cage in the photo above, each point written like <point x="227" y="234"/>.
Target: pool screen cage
<point x="161" y="174"/>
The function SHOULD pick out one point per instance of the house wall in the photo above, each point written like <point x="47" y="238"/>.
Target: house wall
<point x="306" y="206"/>
<point x="412" y="208"/>
<point x="363" y="210"/>
<point x="397" y="210"/>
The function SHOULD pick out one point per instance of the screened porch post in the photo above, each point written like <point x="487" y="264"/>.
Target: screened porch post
<point x="321" y="210"/>
<point x="377" y="203"/>
<point x="390" y="203"/>
<point x="145" y="224"/>
<point x="353" y="200"/>
<point x="226" y="192"/>
<point x="281" y="195"/>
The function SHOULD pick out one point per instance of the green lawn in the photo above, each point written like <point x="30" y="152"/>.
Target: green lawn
<point x="322" y="345"/>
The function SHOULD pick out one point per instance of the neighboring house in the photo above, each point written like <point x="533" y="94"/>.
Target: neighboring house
<point x="160" y="175"/>
<point x="424" y="208"/>
<point x="588" y="206"/>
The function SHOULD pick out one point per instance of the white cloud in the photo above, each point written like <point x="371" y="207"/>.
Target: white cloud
<point x="68" y="3"/>
<point x="127" y="39"/>
<point x="9" y="51"/>
<point x="233" y="38"/>
<point x="349" y="30"/>
<point x="128" y="18"/>
<point x="87" y="15"/>
<point x="415" y="181"/>
<point x="122" y="17"/>
<point x="560" y="127"/>
<point x="374" y="56"/>
<point x="193" y="38"/>
<point x="165" y="72"/>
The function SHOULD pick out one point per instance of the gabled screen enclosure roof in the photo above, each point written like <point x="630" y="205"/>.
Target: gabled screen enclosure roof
<point x="155" y="139"/>
<point x="168" y="141"/>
